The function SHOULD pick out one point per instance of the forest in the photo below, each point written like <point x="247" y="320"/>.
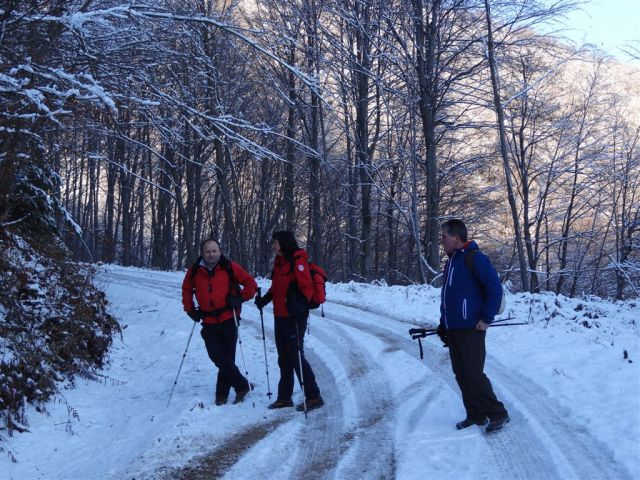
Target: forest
<point x="134" y="129"/>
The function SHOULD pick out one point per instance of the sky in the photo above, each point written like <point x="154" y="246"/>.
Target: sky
<point x="608" y="24"/>
<point x="570" y="380"/>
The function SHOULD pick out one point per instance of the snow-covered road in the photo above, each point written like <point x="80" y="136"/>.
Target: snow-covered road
<point x="388" y="414"/>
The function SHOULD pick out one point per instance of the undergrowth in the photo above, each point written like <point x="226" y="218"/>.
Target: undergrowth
<point x="54" y="326"/>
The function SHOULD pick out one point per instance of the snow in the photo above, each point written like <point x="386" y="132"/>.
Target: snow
<point x="573" y="397"/>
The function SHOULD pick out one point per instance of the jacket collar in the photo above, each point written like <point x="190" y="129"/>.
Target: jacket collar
<point x="222" y="262"/>
<point x="468" y="245"/>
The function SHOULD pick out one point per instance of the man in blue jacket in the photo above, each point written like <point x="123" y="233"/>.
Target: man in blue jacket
<point x="470" y="299"/>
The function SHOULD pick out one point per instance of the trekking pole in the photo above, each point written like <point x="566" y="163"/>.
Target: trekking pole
<point x="422" y="332"/>
<point x="507" y="324"/>
<point x="264" y="345"/>
<point x="244" y="365"/>
<point x="503" y="320"/>
<point x="175" y="382"/>
<point x="304" y="400"/>
<point x="419" y="334"/>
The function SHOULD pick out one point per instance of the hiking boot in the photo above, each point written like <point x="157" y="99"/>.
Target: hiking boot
<point x="467" y="422"/>
<point x="281" y="403"/>
<point x="497" y="423"/>
<point x="221" y="401"/>
<point x="242" y="393"/>
<point x="312" y="404"/>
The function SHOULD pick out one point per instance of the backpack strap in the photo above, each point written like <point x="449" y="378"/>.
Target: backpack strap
<point x="292" y="263"/>
<point x="311" y="270"/>
<point x="293" y="284"/>
<point x="233" y="283"/>
<point x="468" y="261"/>
<point x="293" y="267"/>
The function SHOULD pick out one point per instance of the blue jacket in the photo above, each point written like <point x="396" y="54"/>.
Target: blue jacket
<point x="467" y="297"/>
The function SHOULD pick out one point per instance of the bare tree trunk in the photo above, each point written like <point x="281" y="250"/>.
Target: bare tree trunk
<point x="352" y="215"/>
<point x="127" y="184"/>
<point x="289" y="172"/>
<point x="222" y="169"/>
<point x="361" y="76"/>
<point x="392" y="249"/>
<point x="426" y="43"/>
<point x="495" y="83"/>
<point x="116" y="150"/>
<point x="315" y="220"/>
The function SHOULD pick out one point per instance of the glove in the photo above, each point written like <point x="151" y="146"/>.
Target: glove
<point x="194" y="315"/>
<point x="234" y="301"/>
<point x="442" y="333"/>
<point x="262" y="301"/>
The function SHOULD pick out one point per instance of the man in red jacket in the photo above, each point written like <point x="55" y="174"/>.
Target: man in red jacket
<point x="215" y="281"/>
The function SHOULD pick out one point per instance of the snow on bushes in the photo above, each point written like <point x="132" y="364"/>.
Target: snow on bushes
<point x="53" y="325"/>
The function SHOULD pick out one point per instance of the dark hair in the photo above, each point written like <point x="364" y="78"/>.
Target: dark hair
<point x="456" y="228"/>
<point x="207" y="240"/>
<point x="287" y="242"/>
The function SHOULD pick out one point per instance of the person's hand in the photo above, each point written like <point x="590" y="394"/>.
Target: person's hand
<point x="262" y="301"/>
<point x="442" y="333"/>
<point x="234" y="301"/>
<point x="482" y="326"/>
<point x="194" y="315"/>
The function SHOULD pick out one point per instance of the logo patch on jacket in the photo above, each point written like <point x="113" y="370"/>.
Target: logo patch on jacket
<point x="301" y="267"/>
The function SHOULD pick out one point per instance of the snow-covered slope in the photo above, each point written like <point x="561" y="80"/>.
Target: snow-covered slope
<point x="572" y="395"/>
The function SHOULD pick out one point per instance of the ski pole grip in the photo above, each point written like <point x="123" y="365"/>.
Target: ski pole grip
<point x="421" y="332"/>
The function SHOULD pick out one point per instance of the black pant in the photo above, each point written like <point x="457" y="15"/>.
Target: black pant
<point x="220" y="340"/>
<point x="467" y="351"/>
<point x="288" y="340"/>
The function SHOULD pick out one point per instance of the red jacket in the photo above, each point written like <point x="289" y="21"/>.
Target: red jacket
<point x="282" y="276"/>
<point x="211" y="288"/>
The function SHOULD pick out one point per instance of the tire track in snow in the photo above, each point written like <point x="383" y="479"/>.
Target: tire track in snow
<point x="145" y="282"/>
<point x="515" y="461"/>
<point x="314" y="446"/>
<point x="540" y="438"/>
<point x="318" y="451"/>
<point x="215" y="463"/>
<point x="366" y="446"/>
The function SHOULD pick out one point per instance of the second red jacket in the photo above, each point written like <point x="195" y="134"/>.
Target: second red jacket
<point x="283" y="276"/>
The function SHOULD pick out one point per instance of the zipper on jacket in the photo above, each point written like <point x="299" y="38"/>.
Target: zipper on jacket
<point x="444" y="288"/>
<point x="464" y="308"/>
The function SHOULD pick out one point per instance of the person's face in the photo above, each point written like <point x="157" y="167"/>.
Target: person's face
<point x="275" y="246"/>
<point x="449" y="242"/>
<point x="211" y="253"/>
